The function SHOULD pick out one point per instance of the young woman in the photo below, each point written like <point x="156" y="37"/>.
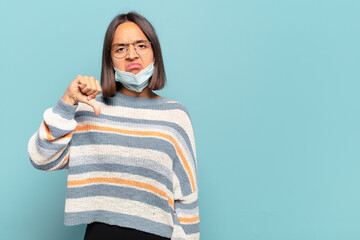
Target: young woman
<point x="130" y="153"/>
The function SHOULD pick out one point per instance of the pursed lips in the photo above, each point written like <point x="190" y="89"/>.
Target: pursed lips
<point x="132" y="66"/>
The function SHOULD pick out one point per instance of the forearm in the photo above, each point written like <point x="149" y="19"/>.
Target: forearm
<point x="48" y="148"/>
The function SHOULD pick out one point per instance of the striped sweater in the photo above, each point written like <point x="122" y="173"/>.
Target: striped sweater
<point x="134" y="165"/>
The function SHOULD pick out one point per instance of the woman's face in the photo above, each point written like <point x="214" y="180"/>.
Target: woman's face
<point x="129" y="32"/>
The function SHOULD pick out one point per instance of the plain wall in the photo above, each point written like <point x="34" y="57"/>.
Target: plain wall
<point x="272" y="88"/>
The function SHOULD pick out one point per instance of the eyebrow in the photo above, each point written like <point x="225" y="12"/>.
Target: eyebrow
<point x="132" y="42"/>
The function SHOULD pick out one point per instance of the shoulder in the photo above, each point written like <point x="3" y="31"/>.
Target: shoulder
<point x="180" y="108"/>
<point x="180" y="115"/>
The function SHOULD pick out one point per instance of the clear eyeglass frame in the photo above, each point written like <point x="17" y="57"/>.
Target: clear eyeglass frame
<point x="127" y="48"/>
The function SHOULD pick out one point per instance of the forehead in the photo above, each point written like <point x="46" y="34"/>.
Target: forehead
<point x="128" y="32"/>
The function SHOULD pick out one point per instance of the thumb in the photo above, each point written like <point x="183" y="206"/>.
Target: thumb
<point x="95" y="105"/>
<point x="92" y="103"/>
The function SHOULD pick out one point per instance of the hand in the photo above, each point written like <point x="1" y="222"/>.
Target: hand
<point x="83" y="89"/>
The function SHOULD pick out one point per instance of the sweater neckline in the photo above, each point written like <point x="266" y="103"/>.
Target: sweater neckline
<point x="137" y="101"/>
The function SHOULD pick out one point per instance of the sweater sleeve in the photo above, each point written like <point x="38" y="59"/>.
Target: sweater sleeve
<point x="187" y="221"/>
<point x="186" y="207"/>
<point x="48" y="148"/>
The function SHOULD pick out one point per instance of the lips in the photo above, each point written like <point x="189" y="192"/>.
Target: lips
<point x="132" y="66"/>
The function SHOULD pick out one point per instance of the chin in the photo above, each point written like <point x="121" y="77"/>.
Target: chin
<point x="135" y="71"/>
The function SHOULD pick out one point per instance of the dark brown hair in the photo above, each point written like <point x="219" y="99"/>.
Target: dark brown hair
<point x="158" y="79"/>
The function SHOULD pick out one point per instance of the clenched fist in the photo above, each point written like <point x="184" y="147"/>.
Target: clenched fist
<point x="83" y="89"/>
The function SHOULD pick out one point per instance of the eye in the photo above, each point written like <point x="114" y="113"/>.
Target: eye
<point x="120" y="49"/>
<point x="141" y="45"/>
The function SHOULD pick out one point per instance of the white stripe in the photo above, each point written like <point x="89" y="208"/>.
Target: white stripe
<point x="118" y="205"/>
<point x="56" y="120"/>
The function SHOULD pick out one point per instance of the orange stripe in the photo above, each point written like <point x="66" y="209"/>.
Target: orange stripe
<point x="122" y="181"/>
<point x="69" y="135"/>
<point x="48" y="134"/>
<point x="188" y="220"/>
<point x="143" y="133"/>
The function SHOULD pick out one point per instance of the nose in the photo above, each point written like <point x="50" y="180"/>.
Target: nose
<point x="131" y="52"/>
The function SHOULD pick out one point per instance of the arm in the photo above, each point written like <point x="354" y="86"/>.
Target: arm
<point x="186" y="207"/>
<point x="48" y="148"/>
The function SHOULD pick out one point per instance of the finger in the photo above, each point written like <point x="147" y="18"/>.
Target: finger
<point x="81" y="81"/>
<point x="93" y="87"/>
<point x="87" y="87"/>
<point x="98" y="89"/>
<point x="98" y="86"/>
<point x="78" y="79"/>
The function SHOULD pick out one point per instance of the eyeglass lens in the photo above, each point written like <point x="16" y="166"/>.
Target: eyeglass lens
<point x="120" y="50"/>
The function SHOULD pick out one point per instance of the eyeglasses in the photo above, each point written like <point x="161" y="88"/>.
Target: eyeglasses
<point x="120" y="50"/>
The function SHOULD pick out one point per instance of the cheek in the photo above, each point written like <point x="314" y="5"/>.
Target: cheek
<point x="151" y="58"/>
<point x="119" y="64"/>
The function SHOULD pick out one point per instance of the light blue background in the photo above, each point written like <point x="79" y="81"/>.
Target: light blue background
<point x="272" y="88"/>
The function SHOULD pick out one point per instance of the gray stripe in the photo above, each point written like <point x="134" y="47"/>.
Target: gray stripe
<point x="43" y="146"/>
<point x="46" y="153"/>
<point x="120" y="168"/>
<point x="47" y="145"/>
<point x="128" y="161"/>
<point x="101" y="138"/>
<point x="65" y="110"/>
<point x="183" y="205"/>
<point x="187" y="211"/>
<point x="133" y="102"/>
<point x="53" y="163"/>
<point x="191" y="228"/>
<point x="80" y="116"/>
<point x="141" y="103"/>
<point x="71" y="219"/>
<point x="119" y="192"/>
<point x="57" y="132"/>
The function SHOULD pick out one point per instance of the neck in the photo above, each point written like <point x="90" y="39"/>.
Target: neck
<point x="145" y="93"/>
